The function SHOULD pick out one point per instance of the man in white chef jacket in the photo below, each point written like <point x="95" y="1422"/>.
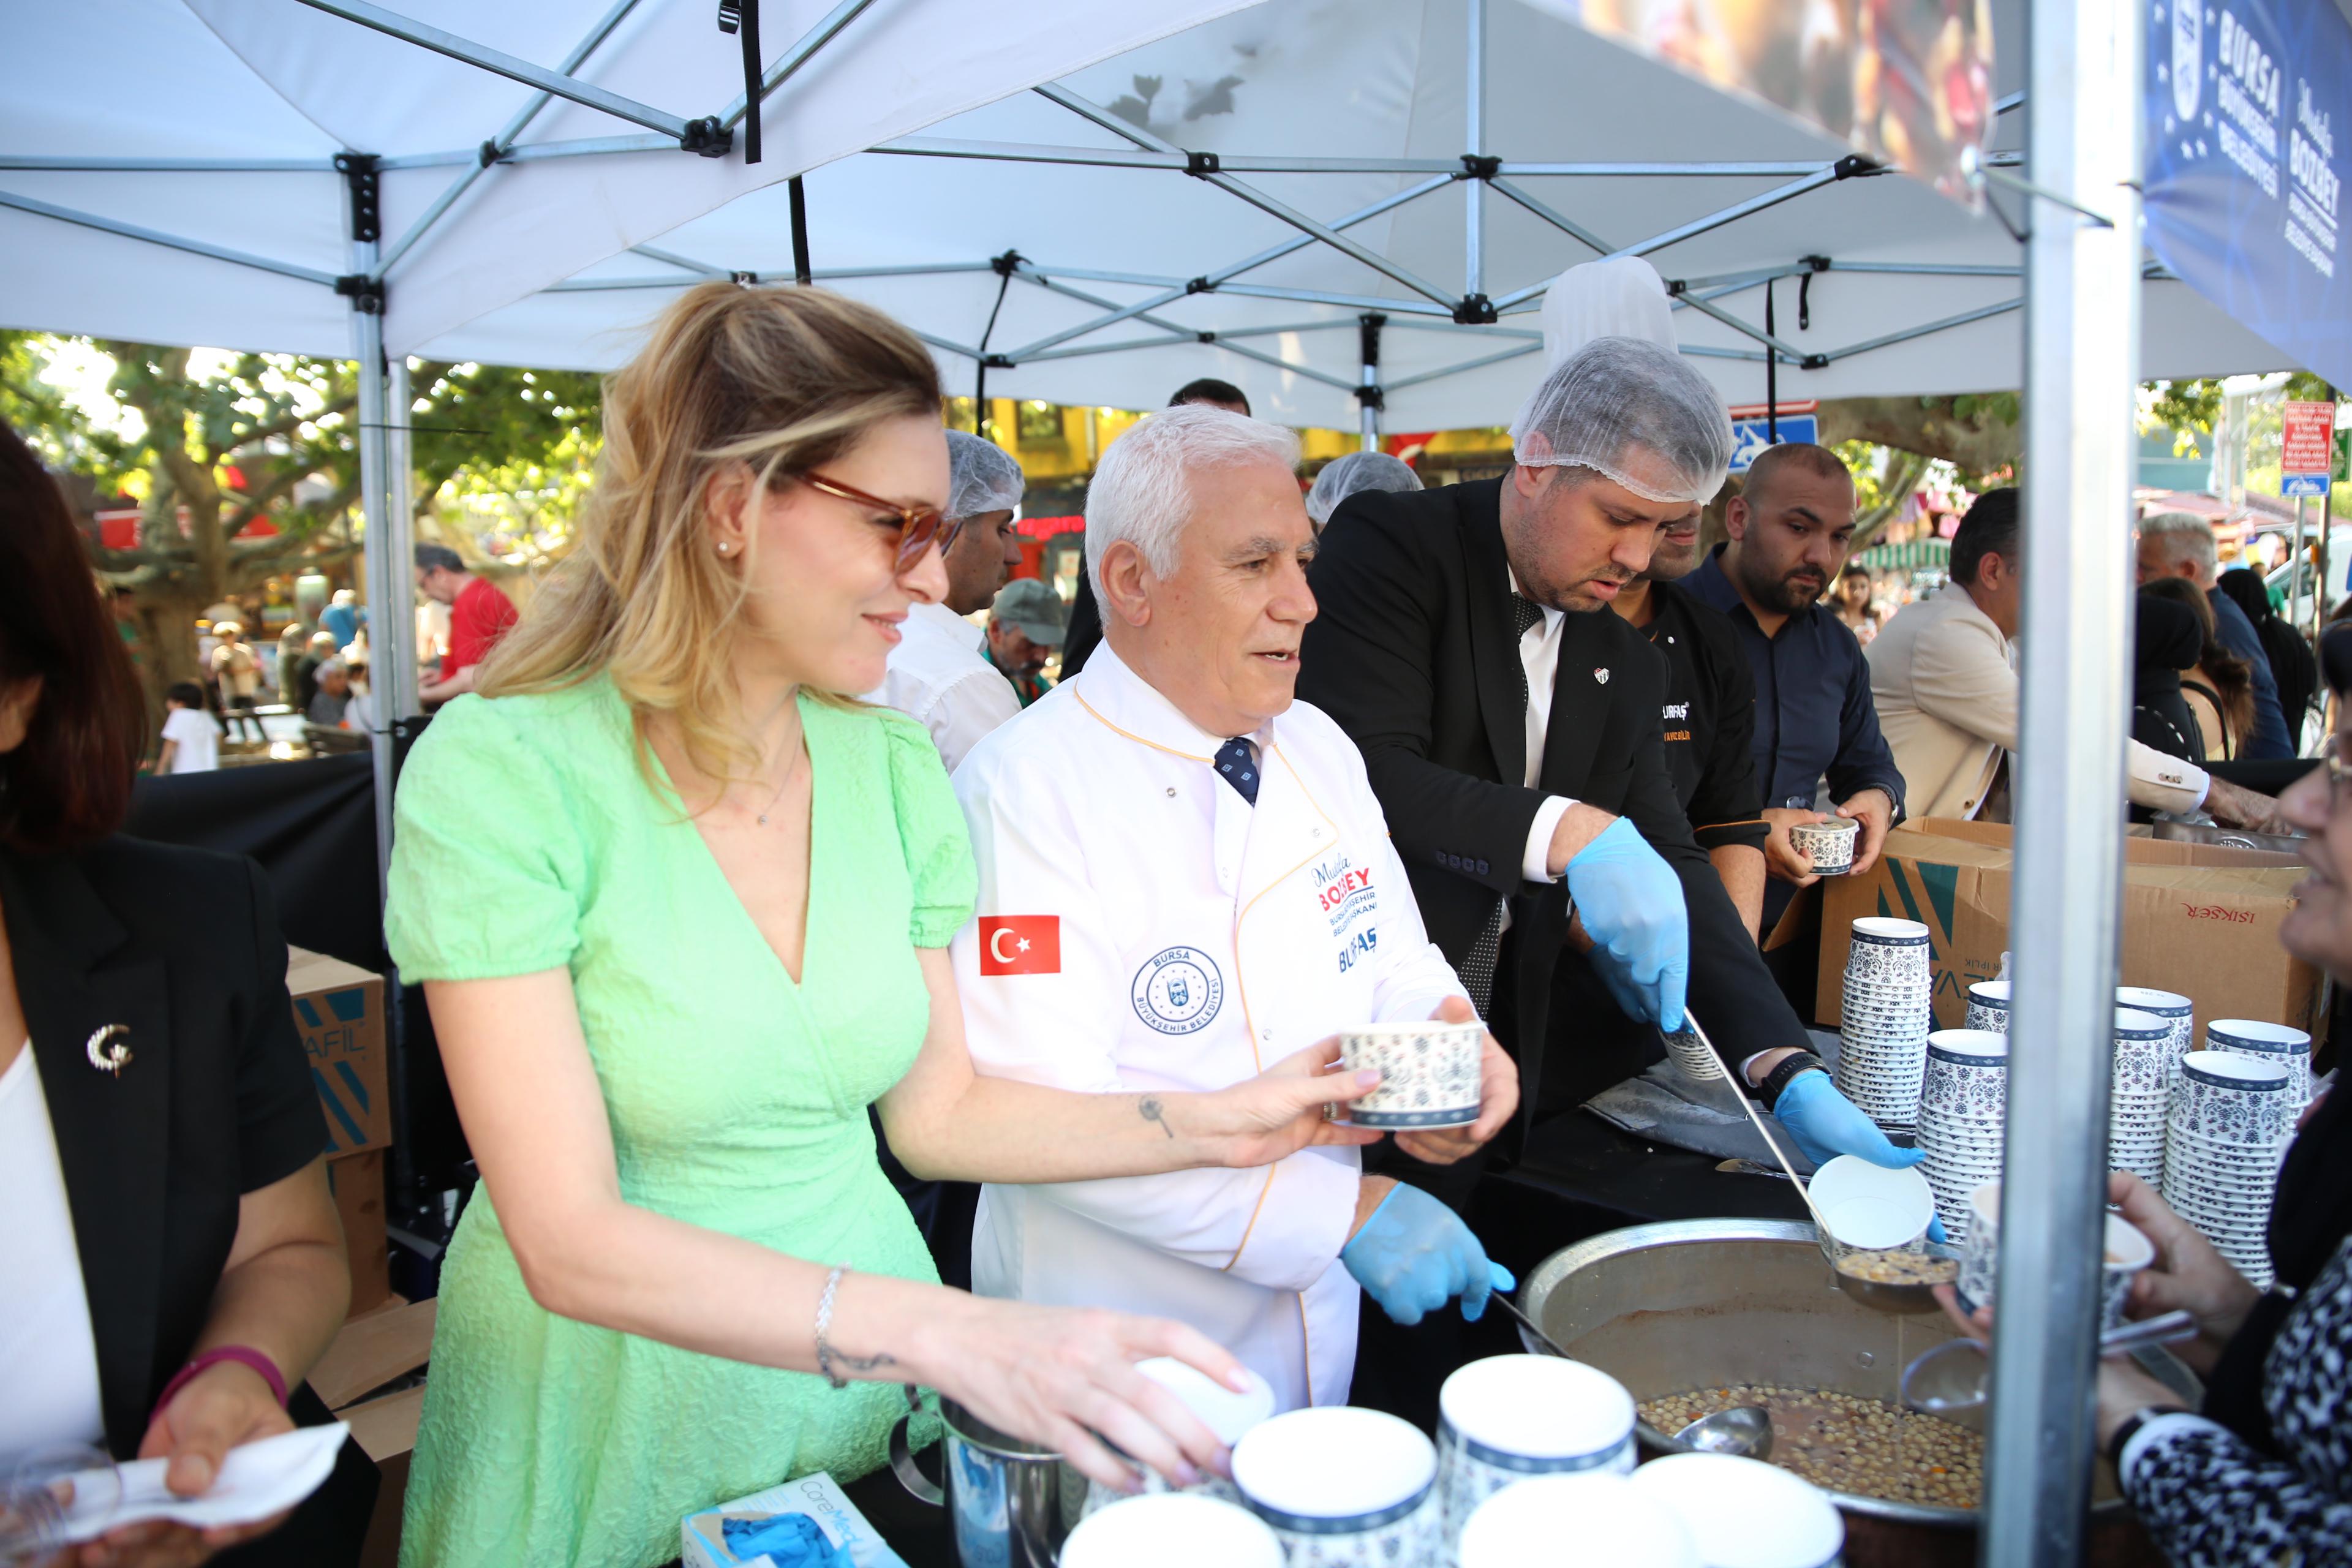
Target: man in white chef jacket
<point x="1184" y="877"/>
<point x="938" y="675"/>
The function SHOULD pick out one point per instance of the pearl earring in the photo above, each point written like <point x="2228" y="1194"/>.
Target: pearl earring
<point x="724" y="548"/>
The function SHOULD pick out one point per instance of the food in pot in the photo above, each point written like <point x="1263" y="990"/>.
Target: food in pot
<point x="1892" y="1266"/>
<point x="1866" y="1447"/>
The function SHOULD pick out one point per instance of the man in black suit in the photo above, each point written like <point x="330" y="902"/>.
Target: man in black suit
<point x="1441" y="614"/>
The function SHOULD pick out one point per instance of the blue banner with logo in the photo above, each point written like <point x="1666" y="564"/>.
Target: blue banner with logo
<point x="2249" y="141"/>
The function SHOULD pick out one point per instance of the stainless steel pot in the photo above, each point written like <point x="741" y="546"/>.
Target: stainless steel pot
<point x="1690" y="1304"/>
<point x="1010" y="1502"/>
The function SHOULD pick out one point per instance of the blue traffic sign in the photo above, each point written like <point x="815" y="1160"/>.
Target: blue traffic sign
<point x="1750" y="437"/>
<point x="2304" y="485"/>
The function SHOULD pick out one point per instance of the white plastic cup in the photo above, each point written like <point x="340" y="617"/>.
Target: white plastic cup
<point x="1871" y="1207"/>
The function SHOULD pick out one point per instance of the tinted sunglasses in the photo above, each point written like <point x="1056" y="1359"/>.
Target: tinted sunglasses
<point x="919" y="526"/>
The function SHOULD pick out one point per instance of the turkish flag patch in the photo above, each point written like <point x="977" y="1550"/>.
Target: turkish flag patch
<point x="1021" y="944"/>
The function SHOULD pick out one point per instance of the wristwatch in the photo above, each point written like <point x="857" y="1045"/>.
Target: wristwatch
<point x="1778" y="1078"/>
<point x="2130" y="1426"/>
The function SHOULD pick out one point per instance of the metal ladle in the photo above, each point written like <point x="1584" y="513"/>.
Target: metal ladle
<point x="1955" y="1375"/>
<point x="1745" y="1431"/>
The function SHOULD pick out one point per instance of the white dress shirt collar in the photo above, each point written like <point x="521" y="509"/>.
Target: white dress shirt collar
<point x="1131" y="705"/>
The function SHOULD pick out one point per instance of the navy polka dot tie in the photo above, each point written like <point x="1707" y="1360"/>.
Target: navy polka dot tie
<point x="1237" y="765"/>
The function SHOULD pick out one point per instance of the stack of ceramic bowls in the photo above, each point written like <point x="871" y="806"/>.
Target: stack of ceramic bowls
<point x="1963" y="1107"/>
<point x="1743" y="1512"/>
<point x="1507" y="1417"/>
<point x="2174" y="1009"/>
<point x="2232" y="1117"/>
<point x="2139" y="1094"/>
<point x="2272" y="1042"/>
<point x="1989" y="1007"/>
<point x="1572" y="1519"/>
<point x="1170" y="1530"/>
<point x="1882" y="1039"/>
<point x="1343" y="1488"/>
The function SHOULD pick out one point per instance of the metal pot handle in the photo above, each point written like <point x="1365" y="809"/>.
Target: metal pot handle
<point x="902" y="1458"/>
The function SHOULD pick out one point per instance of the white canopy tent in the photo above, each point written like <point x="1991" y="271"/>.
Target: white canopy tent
<point x="1060" y="233"/>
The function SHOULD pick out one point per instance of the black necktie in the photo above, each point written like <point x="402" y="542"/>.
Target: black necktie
<point x="1478" y="963"/>
<point x="1237" y="765"/>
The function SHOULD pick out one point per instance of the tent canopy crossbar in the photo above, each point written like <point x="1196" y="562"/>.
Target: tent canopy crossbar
<point x="513" y="68"/>
<point x="780" y="69"/>
<point x="170" y="241"/>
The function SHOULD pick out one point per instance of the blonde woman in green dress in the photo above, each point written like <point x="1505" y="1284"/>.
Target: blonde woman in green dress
<point x="681" y="916"/>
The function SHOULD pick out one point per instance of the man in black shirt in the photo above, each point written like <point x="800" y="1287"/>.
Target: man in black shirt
<point x="1709" y="718"/>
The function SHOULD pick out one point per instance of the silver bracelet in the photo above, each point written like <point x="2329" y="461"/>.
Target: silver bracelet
<point x="824" y="1323"/>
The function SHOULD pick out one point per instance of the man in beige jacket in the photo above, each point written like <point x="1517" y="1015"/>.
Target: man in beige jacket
<point x="1943" y="679"/>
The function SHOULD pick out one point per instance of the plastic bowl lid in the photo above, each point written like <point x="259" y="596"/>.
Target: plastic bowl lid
<point x="1333" y="1462"/>
<point x="1538" y="1406"/>
<point x="1220" y="1409"/>
<point x="1171" y="1529"/>
<point x="1744" y="1513"/>
<point x="1606" y="1517"/>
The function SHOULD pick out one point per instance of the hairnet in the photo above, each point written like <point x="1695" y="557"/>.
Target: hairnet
<point x="1343" y="476"/>
<point x="1620" y="298"/>
<point x="1634" y="411"/>
<point x="982" y="477"/>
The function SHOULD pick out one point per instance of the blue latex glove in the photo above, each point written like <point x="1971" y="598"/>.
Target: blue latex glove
<point x="787" y="1539"/>
<point x="1825" y="1124"/>
<point x="1414" y="1254"/>
<point x="1632" y="905"/>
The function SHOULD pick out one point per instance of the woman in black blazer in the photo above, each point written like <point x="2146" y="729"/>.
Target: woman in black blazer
<point x="146" y="1039"/>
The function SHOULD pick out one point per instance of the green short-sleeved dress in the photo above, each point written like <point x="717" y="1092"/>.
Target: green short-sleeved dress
<point x="528" y="840"/>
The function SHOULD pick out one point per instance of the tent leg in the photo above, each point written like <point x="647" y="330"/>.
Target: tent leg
<point x="2081" y="364"/>
<point x="1473" y="191"/>
<point x="396" y="687"/>
<point x="388" y="588"/>
<point x="1368" y="388"/>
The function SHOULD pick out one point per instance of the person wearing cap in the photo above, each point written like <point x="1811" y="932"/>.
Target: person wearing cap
<point x="1186" y="879"/>
<point x="1025" y="628"/>
<point x="938" y="675"/>
<point x="1343" y="476"/>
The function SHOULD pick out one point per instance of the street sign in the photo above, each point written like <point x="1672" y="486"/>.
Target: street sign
<point x="2306" y="455"/>
<point x="1750" y="437"/>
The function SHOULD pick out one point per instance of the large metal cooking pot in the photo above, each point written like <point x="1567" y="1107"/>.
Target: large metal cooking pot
<point x="1688" y="1304"/>
<point x="1010" y="1502"/>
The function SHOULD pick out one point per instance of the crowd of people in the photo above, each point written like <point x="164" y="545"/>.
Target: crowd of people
<point x="792" y="944"/>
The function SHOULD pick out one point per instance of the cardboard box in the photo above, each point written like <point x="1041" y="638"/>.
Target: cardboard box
<point x="338" y="1009"/>
<point x="358" y="1184"/>
<point x="2198" y="918"/>
<point x="702" y="1541"/>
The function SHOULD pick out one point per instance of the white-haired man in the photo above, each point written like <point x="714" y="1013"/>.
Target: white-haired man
<point x="1185" y="877"/>
<point x="2181" y="545"/>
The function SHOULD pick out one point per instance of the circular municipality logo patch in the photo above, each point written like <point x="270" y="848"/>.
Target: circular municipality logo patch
<point x="1178" y="991"/>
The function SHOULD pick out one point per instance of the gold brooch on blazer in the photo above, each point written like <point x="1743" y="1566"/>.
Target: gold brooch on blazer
<point x="107" y="1048"/>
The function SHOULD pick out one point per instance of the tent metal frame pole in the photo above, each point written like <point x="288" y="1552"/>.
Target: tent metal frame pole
<point x="388" y="603"/>
<point x="1368" y="394"/>
<point x="1696" y="227"/>
<point x="1186" y="334"/>
<point x="1544" y="210"/>
<point x="1782" y="346"/>
<point x="500" y="63"/>
<point x="396" y="687"/>
<point x="496" y="147"/>
<point x="2081" y="338"/>
<point x="780" y="69"/>
<point x="1054" y="94"/>
<point x="683" y="263"/>
<point x="1925" y="329"/>
<point x="1423" y="377"/>
<point x="170" y="241"/>
<point x="1474" y="144"/>
<point x="168" y="165"/>
<point x="1717" y="170"/>
<point x="533" y="151"/>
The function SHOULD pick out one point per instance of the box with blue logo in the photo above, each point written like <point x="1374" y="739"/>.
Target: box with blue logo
<point x="339" y="1009"/>
<point x="806" y="1523"/>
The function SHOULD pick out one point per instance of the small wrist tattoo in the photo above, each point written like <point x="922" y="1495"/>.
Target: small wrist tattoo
<point x="1151" y="1110"/>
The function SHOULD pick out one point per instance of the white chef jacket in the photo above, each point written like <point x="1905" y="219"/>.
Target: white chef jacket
<point x="1194" y="940"/>
<point x="938" y="677"/>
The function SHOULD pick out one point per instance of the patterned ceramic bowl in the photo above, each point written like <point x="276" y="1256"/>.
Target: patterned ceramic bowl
<point x="2127" y="1252"/>
<point x="1830" y="845"/>
<point x="1607" y="1516"/>
<point x="1172" y="1531"/>
<point x="1742" y="1510"/>
<point x="1507" y="1417"/>
<point x="2271" y="1042"/>
<point x="1989" y="1007"/>
<point x="1343" y="1488"/>
<point x="2233" y="1099"/>
<point x="1428" y="1073"/>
